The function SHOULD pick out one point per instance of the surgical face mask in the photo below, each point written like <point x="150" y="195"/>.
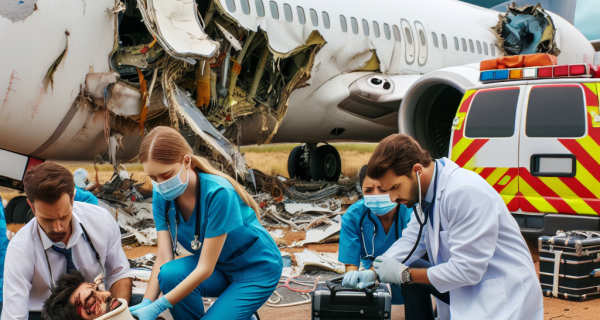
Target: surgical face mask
<point x="379" y="204"/>
<point x="172" y="188"/>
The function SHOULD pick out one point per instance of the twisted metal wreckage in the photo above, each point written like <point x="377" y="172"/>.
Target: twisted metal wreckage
<point x="169" y="67"/>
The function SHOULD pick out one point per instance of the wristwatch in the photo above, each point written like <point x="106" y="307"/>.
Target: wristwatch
<point x="406" y="278"/>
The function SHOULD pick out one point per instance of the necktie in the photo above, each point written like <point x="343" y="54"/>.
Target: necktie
<point x="425" y="207"/>
<point x="68" y="255"/>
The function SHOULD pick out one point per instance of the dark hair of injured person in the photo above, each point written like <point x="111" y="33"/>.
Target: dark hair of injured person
<point x="58" y="306"/>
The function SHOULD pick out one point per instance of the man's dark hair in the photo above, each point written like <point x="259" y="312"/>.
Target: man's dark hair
<point x="362" y="174"/>
<point x="48" y="182"/>
<point x="398" y="152"/>
<point x="58" y="306"/>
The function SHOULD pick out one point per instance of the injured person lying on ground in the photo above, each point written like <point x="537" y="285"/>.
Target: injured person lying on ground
<point x="74" y="299"/>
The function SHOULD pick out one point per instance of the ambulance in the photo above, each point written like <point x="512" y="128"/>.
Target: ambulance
<point x="533" y="133"/>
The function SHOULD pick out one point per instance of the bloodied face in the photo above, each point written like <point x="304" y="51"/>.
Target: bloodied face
<point x="91" y="303"/>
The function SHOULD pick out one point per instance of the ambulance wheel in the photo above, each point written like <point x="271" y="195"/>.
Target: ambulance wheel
<point x="295" y="168"/>
<point x="325" y="164"/>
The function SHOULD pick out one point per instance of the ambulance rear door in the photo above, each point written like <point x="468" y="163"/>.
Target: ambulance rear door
<point x="485" y="137"/>
<point x="559" y="151"/>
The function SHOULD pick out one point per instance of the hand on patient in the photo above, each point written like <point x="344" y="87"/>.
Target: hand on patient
<point x="152" y="310"/>
<point x="359" y="279"/>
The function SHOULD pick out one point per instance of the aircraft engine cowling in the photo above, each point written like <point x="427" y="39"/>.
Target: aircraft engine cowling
<point x="430" y="105"/>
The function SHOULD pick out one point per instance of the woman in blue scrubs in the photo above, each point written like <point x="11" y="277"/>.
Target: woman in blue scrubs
<point x="213" y="217"/>
<point x="381" y="223"/>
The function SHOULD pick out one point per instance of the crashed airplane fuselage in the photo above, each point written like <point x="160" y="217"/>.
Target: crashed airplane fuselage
<point x="86" y="80"/>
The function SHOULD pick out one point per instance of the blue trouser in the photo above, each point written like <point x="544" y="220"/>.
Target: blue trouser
<point x="236" y="299"/>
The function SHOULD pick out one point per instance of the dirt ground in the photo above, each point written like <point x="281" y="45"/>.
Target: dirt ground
<point x="554" y="309"/>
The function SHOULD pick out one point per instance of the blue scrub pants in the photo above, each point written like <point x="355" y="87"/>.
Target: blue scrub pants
<point x="236" y="300"/>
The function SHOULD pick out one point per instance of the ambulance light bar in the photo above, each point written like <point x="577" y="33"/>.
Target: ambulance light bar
<point x="562" y="71"/>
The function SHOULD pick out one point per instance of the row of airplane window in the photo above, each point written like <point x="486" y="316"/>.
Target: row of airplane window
<point x="314" y="18"/>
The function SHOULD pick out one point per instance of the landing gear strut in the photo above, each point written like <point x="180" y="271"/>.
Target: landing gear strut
<point x="308" y="162"/>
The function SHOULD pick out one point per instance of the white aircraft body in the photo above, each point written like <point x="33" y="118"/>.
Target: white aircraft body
<point x="373" y="59"/>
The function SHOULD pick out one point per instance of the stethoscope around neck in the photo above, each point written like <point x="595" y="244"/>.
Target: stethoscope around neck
<point x="195" y="244"/>
<point x="371" y="256"/>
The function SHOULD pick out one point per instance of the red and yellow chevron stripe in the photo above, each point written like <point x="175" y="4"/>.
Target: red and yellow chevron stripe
<point x="505" y="181"/>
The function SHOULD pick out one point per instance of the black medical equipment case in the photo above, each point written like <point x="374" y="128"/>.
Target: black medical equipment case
<point x="331" y="300"/>
<point x="567" y="264"/>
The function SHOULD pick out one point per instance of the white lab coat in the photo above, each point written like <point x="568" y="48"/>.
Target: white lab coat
<point x="478" y="255"/>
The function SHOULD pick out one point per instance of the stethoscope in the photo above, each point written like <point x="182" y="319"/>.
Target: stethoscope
<point x="422" y="218"/>
<point x="89" y="241"/>
<point x="195" y="244"/>
<point x="362" y="231"/>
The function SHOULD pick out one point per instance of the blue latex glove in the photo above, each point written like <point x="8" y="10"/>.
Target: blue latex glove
<point x="359" y="279"/>
<point x="145" y="302"/>
<point x="389" y="269"/>
<point x="153" y="310"/>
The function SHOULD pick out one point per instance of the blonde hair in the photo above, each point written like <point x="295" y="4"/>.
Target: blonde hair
<point x="166" y="145"/>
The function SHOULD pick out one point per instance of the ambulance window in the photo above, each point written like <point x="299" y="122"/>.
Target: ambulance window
<point x="325" y="20"/>
<point x="492" y="114"/>
<point x="343" y="23"/>
<point x="386" y="30"/>
<point x="287" y="11"/>
<point x="245" y="6"/>
<point x="444" y="42"/>
<point x="274" y="10"/>
<point x="557" y="112"/>
<point x="435" y="40"/>
<point x="260" y="8"/>
<point x="456" y="43"/>
<point x="485" y="49"/>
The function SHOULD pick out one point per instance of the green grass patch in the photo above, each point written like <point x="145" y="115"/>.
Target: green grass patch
<point x="287" y="147"/>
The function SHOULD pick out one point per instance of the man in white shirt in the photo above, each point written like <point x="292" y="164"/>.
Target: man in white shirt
<point x="64" y="235"/>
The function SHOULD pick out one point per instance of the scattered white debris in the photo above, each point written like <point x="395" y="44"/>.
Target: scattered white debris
<point x="308" y="261"/>
<point x="276" y="233"/>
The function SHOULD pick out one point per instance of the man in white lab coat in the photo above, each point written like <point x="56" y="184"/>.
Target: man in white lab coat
<point x="473" y="242"/>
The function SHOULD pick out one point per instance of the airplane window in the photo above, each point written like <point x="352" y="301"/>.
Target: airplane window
<point x="478" y="47"/>
<point x="464" y="44"/>
<point x="493" y="49"/>
<point x="343" y="23"/>
<point x="365" y="27"/>
<point x="260" y="8"/>
<point x="314" y="18"/>
<point x="230" y="5"/>
<point x="325" y="20"/>
<point x="301" y="16"/>
<point x="456" y="43"/>
<point x="396" y="33"/>
<point x="485" y="49"/>
<point x="471" y="46"/>
<point x="408" y="36"/>
<point x="287" y="11"/>
<point x="274" y="10"/>
<point x="245" y="6"/>
<point x="435" y="40"/>
<point x="386" y="30"/>
<point x="354" y="24"/>
<point x="444" y="42"/>
<point x="422" y="36"/>
<point x="376" y="29"/>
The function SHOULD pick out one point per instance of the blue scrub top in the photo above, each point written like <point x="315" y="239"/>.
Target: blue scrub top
<point x="3" y="247"/>
<point x="351" y="245"/>
<point x="85" y="196"/>
<point x="249" y="251"/>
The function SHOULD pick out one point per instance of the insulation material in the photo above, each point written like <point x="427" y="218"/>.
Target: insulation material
<point x="175" y="25"/>
<point x="526" y="30"/>
<point x="322" y="234"/>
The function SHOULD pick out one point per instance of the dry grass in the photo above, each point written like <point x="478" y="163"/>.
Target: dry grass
<point x="272" y="159"/>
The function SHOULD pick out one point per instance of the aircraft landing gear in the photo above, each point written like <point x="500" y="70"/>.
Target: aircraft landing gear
<point x="308" y="161"/>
